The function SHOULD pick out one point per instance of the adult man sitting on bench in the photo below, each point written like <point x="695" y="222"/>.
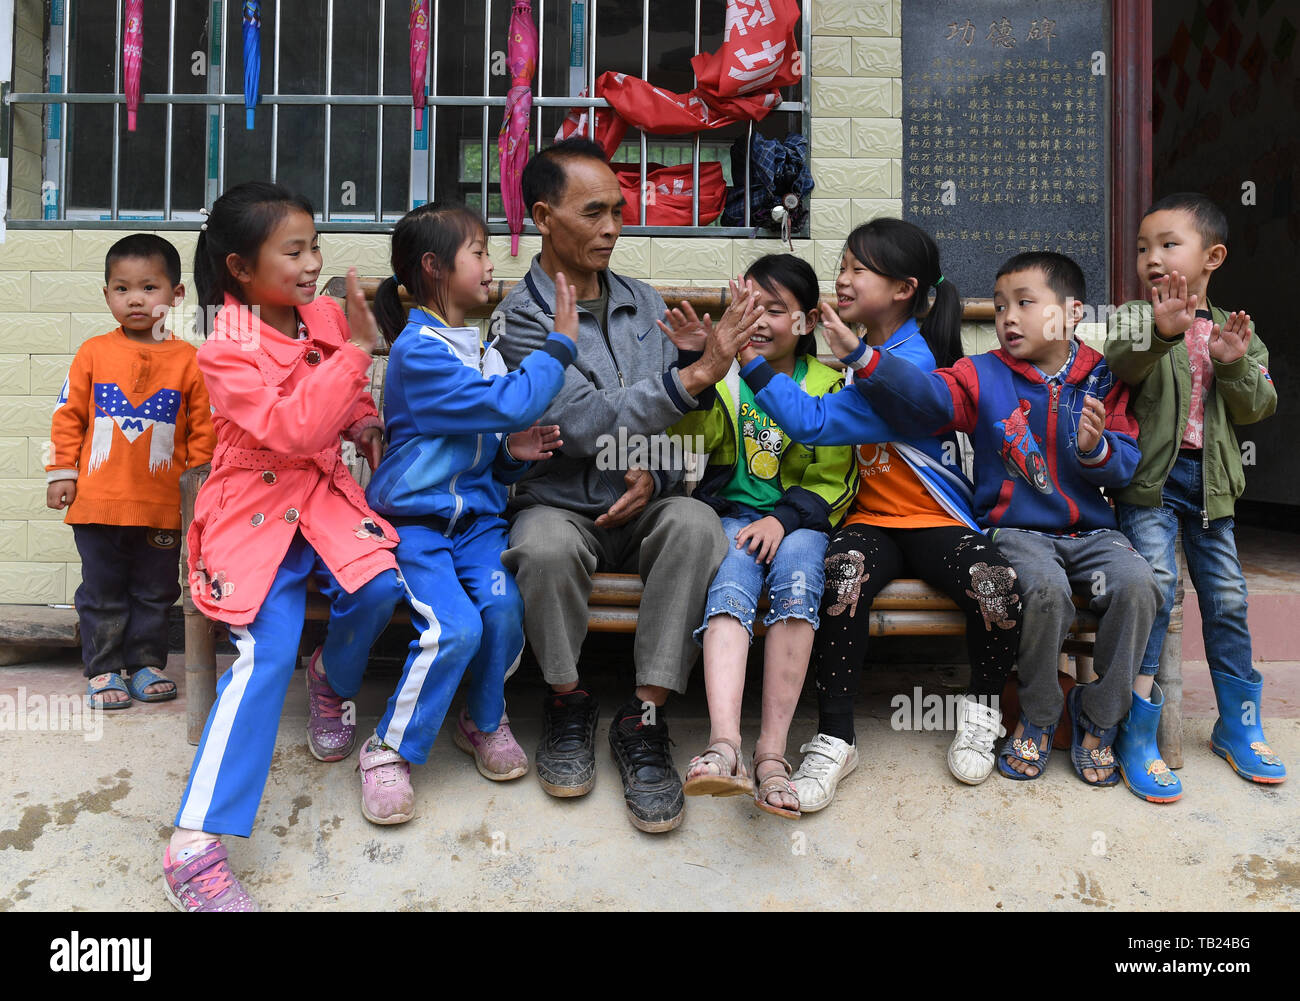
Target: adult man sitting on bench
<point x="587" y="509"/>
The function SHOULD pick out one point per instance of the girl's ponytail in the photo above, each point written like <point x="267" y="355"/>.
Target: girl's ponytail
<point x="388" y="309"/>
<point x="205" y="281"/>
<point x="904" y="252"/>
<point x="239" y="222"/>
<point x="941" y="327"/>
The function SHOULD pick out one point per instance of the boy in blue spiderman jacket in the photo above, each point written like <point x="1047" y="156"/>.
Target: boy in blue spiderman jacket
<point x="1050" y="427"/>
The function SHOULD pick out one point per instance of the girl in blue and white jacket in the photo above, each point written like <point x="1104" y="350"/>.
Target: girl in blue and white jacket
<point x="460" y="429"/>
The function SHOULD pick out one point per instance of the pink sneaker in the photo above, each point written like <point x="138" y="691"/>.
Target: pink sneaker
<point x="328" y="737"/>
<point x="386" y="794"/>
<point x="200" y="880"/>
<point x="497" y="755"/>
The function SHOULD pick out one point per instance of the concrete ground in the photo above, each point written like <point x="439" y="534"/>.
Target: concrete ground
<point x="85" y="821"/>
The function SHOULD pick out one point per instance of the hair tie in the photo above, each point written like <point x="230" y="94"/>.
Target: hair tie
<point x="939" y="282"/>
<point x="397" y="281"/>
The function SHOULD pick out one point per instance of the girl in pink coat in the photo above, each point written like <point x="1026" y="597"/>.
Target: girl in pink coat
<point x="287" y="382"/>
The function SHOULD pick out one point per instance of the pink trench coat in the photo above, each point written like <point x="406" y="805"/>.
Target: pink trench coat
<point x="280" y="406"/>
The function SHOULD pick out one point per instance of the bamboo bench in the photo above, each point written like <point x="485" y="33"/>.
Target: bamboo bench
<point x="905" y="607"/>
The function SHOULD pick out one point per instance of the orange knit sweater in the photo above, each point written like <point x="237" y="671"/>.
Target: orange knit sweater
<point x="131" y="419"/>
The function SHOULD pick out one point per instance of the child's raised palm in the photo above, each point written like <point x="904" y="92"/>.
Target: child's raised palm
<point x="687" y="331"/>
<point x="839" y="338"/>
<point x="1173" y="308"/>
<point x="566" y="308"/>
<point x="535" y="444"/>
<point x="362" y="329"/>
<point x="1232" y="340"/>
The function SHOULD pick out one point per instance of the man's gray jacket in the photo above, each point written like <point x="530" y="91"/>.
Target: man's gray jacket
<point x="624" y="378"/>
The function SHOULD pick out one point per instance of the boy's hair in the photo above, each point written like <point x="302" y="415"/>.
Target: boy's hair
<point x="145" y="245"/>
<point x="775" y="272"/>
<point x="239" y="222"/>
<point x="543" y="177"/>
<point x="1210" y="222"/>
<point x="434" y="228"/>
<point x="1062" y="274"/>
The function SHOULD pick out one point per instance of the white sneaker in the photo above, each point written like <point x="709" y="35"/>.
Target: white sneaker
<point x="826" y="760"/>
<point x="970" y="758"/>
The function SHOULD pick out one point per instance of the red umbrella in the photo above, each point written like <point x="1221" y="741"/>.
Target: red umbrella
<point x="512" y="141"/>
<point x="419" y="56"/>
<point x="132" y="52"/>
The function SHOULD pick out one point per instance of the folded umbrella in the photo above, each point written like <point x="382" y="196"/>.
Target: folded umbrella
<point x="512" y="141"/>
<point x="132" y="53"/>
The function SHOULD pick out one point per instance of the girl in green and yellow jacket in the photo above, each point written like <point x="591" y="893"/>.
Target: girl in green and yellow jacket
<point x="778" y="500"/>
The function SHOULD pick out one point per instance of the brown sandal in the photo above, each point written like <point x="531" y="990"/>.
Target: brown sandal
<point x="775" y="783"/>
<point x="731" y="780"/>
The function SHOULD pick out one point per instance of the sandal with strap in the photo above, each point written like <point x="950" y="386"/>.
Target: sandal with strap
<point x="101" y="683"/>
<point x="1090" y="757"/>
<point x="1032" y="747"/>
<point x="141" y="678"/>
<point x="775" y="783"/>
<point x="731" y="779"/>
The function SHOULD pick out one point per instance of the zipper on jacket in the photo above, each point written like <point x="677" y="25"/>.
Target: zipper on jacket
<point x="609" y="346"/>
<point x="1056" y="395"/>
<point x="451" y="487"/>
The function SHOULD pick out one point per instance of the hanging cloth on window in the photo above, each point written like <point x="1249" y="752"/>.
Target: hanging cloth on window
<point x="778" y="176"/>
<point x="739" y="82"/>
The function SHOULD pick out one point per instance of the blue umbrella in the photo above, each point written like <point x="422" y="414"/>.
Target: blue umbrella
<point x="252" y="57"/>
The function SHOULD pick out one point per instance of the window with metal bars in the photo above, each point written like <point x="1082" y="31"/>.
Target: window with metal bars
<point x="335" y="120"/>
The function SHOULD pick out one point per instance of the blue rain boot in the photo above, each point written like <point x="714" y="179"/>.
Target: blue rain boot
<point x="1238" y="735"/>
<point x="1136" y="754"/>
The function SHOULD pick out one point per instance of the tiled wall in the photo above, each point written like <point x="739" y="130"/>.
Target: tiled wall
<point x="51" y="281"/>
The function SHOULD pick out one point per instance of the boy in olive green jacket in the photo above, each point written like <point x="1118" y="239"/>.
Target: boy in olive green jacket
<point x="1195" y="371"/>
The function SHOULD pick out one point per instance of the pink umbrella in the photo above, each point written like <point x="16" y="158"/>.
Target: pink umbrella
<point x="132" y="51"/>
<point x="512" y="141"/>
<point x="419" y="56"/>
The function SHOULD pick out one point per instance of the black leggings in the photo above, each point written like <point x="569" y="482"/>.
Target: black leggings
<point x="862" y="559"/>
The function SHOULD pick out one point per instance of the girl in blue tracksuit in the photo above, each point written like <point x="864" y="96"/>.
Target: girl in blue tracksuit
<point x="459" y="429"/>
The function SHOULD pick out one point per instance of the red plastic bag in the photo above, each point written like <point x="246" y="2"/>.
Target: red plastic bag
<point x="670" y="189"/>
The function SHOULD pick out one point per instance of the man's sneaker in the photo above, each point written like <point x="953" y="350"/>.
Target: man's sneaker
<point x="200" y="880"/>
<point x="386" y="794"/>
<point x="826" y="760"/>
<point x="328" y="737"/>
<point x="652" y="788"/>
<point x="566" y="756"/>
<point x="971" y="758"/>
<point x="497" y="754"/>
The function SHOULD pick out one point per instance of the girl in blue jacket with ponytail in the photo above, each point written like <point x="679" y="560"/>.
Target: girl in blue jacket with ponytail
<point x="460" y="429"/>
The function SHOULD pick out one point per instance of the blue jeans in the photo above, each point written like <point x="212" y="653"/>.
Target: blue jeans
<point x="1212" y="565"/>
<point x="793" y="579"/>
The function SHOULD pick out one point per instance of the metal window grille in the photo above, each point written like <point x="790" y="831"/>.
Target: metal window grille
<point x="63" y="107"/>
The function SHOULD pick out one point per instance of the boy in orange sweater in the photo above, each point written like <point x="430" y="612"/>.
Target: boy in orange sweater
<point x="133" y="415"/>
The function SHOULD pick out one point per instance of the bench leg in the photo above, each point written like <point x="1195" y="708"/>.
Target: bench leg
<point x="200" y="670"/>
<point x="1170" y="676"/>
<point x="1085" y="672"/>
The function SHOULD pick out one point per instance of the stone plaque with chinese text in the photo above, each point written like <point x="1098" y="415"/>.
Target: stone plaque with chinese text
<point x="1004" y="133"/>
